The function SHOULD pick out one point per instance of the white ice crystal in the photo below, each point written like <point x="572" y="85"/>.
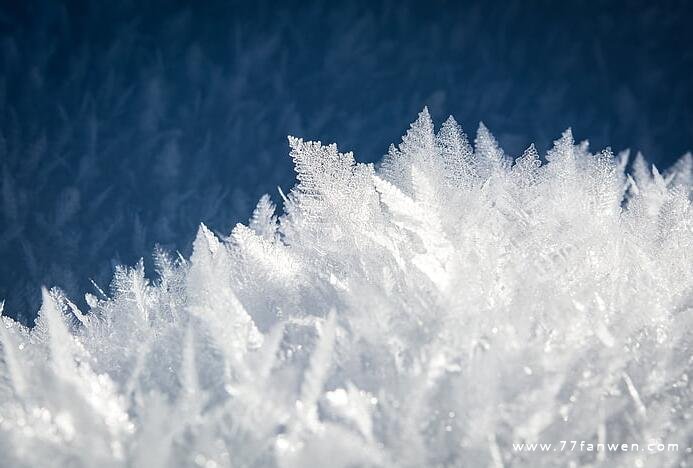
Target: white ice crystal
<point x="431" y="312"/>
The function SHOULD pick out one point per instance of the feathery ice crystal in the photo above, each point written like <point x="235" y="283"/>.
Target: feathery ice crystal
<point x="431" y="312"/>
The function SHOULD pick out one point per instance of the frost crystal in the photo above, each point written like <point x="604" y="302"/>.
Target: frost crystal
<point x="434" y="311"/>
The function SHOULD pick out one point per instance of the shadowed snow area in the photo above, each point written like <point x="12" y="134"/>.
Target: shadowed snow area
<point x="126" y="124"/>
<point x="433" y="311"/>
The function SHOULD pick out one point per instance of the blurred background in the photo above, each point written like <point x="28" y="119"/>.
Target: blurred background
<point x="126" y="124"/>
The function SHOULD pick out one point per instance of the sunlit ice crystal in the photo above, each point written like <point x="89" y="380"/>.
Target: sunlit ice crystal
<point x="438" y="309"/>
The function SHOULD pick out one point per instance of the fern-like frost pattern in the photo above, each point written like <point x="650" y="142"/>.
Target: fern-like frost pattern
<point x="431" y="311"/>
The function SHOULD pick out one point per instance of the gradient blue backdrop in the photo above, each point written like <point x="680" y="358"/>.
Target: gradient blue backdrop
<point x="123" y="125"/>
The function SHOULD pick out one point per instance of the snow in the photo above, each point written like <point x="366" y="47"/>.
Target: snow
<point x="431" y="311"/>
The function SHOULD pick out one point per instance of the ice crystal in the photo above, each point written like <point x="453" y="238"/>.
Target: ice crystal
<point x="433" y="311"/>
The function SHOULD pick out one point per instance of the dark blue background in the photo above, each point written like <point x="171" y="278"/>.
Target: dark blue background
<point x="126" y="125"/>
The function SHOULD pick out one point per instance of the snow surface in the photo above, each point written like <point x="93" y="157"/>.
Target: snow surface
<point x="431" y="311"/>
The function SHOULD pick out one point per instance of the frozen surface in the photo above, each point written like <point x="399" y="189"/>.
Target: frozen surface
<point x="431" y="311"/>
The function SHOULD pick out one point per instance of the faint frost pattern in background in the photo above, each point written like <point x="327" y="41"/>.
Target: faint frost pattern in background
<point x="125" y="124"/>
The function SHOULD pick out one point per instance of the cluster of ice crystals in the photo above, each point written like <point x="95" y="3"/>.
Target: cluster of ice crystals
<point x="431" y="312"/>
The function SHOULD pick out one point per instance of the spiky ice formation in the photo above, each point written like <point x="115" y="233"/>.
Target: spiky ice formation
<point x="431" y="312"/>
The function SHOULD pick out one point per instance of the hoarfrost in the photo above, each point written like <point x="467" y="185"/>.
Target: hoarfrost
<point x="431" y="312"/>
